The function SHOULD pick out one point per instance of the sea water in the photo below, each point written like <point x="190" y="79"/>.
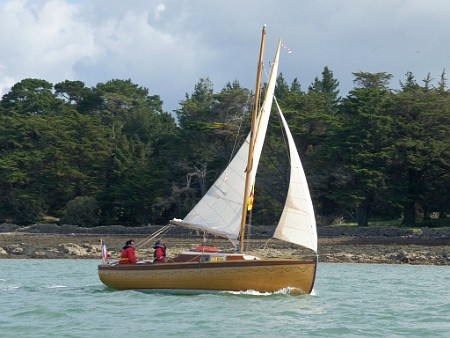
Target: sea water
<point x="64" y="298"/>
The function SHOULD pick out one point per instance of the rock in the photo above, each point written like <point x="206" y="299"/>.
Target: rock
<point x="40" y="254"/>
<point x="403" y="256"/>
<point x="15" y="249"/>
<point x="367" y="245"/>
<point x="422" y="258"/>
<point x="72" y="249"/>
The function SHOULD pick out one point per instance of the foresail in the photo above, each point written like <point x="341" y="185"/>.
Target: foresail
<point x="220" y="210"/>
<point x="297" y="223"/>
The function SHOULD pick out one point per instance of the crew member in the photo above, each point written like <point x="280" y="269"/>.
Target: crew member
<point x="128" y="256"/>
<point x="159" y="254"/>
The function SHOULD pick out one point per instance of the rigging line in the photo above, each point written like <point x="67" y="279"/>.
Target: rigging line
<point x="236" y="141"/>
<point x="267" y="76"/>
<point x="240" y="127"/>
<point x="280" y="169"/>
<point x="264" y="246"/>
<point x="162" y="231"/>
<point x="242" y="122"/>
<point x="265" y="72"/>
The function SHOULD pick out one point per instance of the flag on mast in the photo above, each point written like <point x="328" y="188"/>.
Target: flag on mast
<point x="105" y="253"/>
<point x="251" y="198"/>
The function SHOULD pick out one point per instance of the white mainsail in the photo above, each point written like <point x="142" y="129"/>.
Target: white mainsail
<point x="220" y="210"/>
<point x="297" y="223"/>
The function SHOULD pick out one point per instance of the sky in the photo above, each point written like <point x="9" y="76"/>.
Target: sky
<point x="167" y="46"/>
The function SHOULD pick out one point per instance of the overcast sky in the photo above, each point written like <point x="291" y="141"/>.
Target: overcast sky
<point x="167" y="46"/>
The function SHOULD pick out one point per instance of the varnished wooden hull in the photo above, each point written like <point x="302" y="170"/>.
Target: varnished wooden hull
<point x="260" y="275"/>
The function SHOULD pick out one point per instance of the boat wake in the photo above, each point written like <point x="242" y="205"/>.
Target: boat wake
<point x="248" y="293"/>
<point x="9" y="287"/>
<point x="284" y="291"/>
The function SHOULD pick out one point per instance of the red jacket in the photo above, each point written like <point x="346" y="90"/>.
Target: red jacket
<point x="128" y="256"/>
<point x="159" y="254"/>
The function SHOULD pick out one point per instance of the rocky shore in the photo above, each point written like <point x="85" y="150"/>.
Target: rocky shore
<point x="336" y="244"/>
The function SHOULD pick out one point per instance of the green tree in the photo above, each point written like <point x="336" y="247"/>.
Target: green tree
<point x="327" y="88"/>
<point x="282" y="88"/>
<point x="363" y="144"/>
<point x="213" y="128"/>
<point x="421" y="163"/>
<point x="82" y="211"/>
<point x="31" y="97"/>
<point x="312" y="117"/>
<point x="51" y="154"/>
<point x="48" y="160"/>
<point x="75" y="93"/>
<point x="133" y="175"/>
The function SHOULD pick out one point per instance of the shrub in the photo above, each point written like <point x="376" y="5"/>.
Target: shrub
<point x="82" y="211"/>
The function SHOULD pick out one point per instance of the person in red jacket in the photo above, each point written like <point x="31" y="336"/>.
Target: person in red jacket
<point x="128" y="256"/>
<point x="159" y="254"/>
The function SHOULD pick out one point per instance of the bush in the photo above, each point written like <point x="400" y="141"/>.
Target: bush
<point x="82" y="211"/>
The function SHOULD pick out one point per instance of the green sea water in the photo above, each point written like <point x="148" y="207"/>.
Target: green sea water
<point x="64" y="298"/>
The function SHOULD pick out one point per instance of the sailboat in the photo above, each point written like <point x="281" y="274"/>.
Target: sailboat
<point x="223" y="212"/>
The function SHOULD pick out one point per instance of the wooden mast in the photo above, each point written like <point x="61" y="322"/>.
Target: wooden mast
<point x="252" y="141"/>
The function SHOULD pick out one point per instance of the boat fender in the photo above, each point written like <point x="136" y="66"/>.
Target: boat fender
<point x="202" y="248"/>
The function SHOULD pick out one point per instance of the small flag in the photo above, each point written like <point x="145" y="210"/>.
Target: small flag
<point x="288" y="49"/>
<point x="105" y="253"/>
<point x="251" y="198"/>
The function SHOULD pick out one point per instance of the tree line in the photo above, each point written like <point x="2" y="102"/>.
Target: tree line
<point x="109" y="154"/>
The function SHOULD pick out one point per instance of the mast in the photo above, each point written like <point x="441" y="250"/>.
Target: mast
<point x="252" y="140"/>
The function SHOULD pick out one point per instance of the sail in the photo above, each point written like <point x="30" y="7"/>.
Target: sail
<point x="220" y="210"/>
<point x="264" y="114"/>
<point x="297" y="223"/>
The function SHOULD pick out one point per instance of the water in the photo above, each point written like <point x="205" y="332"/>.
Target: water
<point x="64" y="298"/>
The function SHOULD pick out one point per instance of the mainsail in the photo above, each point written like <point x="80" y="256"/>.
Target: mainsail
<point x="219" y="211"/>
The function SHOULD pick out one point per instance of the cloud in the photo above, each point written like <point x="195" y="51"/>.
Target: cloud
<point x="168" y="46"/>
<point x="43" y="40"/>
<point x="159" y="11"/>
<point x="57" y="40"/>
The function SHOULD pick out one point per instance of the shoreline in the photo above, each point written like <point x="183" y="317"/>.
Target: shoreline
<point x="340" y="248"/>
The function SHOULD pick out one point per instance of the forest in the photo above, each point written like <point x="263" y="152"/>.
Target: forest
<point x="109" y="154"/>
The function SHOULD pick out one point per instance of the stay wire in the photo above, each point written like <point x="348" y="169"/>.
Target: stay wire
<point x="159" y="233"/>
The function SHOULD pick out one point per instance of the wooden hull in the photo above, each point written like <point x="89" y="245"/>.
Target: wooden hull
<point x="268" y="275"/>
